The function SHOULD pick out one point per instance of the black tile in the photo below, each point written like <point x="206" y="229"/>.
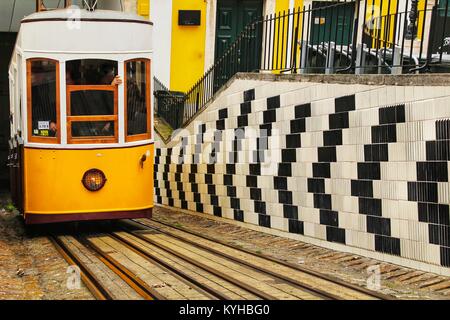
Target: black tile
<point x="384" y="133"/>
<point x="159" y="199"/>
<point x="439" y="234"/>
<point x="211" y="189"/>
<point x="298" y="125"/>
<point x="345" y="103"/>
<point x="273" y="102"/>
<point x="252" y="181"/>
<point x="194" y="187"/>
<point x="322" y="201"/>
<point x="208" y="178"/>
<point x="269" y="116"/>
<point x="296" y="226"/>
<point x="158" y="152"/>
<point x="362" y="188"/>
<point x="293" y="141"/>
<point x="235" y="203"/>
<point x="227" y="179"/>
<point x="249" y="95"/>
<point x="378" y="225"/>
<point x="423" y="191"/>
<point x="376" y="152"/>
<point x="338" y="120"/>
<point x="210" y="168"/>
<point x="316" y="185"/>
<point x="239" y="215"/>
<point x="370" y="206"/>
<point x="260" y="207"/>
<point x="332" y="138"/>
<point x="217" y="211"/>
<point x="171" y="202"/>
<point x="303" y="111"/>
<point x="326" y="154"/>
<point x="280" y="183"/>
<point x="197" y="197"/>
<point x="335" y="234"/>
<point x="284" y="170"/>
<point x="194" y="168"/>
<point x="329" y="218"/>
<point x="242" y="121"/>
<point x="231" y="168"/>
<point x="214" y="200"/>
<point x="191" y="177"/>
<point x="255" y="169"/>
<point x="284" y="197"/>
<point x="443" y="129"/>
<point x="395" y="114"/>
<point x="220" y="124"/>
<point x="321" y="170"/>
<point x="387" y="245"/>
<point x="231" y="191"/>
<point x="184" y="205"/>
<point x="289" y="155"/>
<point x="445" y="256"/>
<point x="223" y="113"/>
<point x="264" y="220"/>
<point x="255" y="194"/>
<point x="432" y="171"/>
<point x="434" y="213"/>
<point x="369" y="171"/>
<point x="290" y="211"/>
<point x="438" y="150"/>
<point x="246" y="108"/>
<point x="199" y="207"/>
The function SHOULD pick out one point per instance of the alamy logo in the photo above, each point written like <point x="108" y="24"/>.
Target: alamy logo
<point x="74" y="278"/>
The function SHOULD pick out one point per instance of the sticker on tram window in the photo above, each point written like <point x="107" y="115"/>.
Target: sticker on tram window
<point x="44" y="133"/>
<point x="36" y="131"/>
<point x="43" y="125"/>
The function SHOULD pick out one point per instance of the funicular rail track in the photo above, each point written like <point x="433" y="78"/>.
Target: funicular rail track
<point x="193" y="266"/>
<point x="204" y="242"/>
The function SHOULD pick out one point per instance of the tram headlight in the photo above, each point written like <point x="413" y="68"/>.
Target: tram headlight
<point x="93" y="179"/>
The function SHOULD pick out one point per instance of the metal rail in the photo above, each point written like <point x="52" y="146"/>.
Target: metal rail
<point x="124" y="273"/>
<point x="334" y="280"/>
<point x="158" y="261"/>
<point x="259" y="293"/>
<point x="290" y="281"/>
<point x="88" y="278"/>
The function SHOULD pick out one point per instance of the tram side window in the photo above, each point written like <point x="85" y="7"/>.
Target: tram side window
<point x="43" y="100"/>
<point x="137" y="99"/>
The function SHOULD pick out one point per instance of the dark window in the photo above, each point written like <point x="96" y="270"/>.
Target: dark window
<point x="91" y="103"/>
<point x="138" y="98"/>
<point x="90" y="72"/>
<point x="43" y="100"/>
<point x="92" y="129"/>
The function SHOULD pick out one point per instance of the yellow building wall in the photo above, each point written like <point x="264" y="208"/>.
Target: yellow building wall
<point x="188" y="47"/>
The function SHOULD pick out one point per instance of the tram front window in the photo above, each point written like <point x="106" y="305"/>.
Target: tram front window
<point x="91" y="100"/>
<point x="43" y="100"/>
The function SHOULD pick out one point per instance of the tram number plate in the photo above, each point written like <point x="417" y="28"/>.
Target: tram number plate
<point x="43" y="125"/>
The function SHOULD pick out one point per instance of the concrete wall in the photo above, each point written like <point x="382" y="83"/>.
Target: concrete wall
<point x="357" y="164"/>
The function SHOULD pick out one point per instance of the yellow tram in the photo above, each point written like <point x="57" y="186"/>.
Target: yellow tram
<point x="81" y="145"/>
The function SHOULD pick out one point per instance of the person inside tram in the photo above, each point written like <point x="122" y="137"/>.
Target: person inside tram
<point x="93" y="102"/>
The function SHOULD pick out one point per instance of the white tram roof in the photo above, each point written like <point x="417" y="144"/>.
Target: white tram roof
<point x="69" y="31"/>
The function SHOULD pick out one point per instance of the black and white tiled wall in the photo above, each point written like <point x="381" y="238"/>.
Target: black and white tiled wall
<point x="360" y="166"/>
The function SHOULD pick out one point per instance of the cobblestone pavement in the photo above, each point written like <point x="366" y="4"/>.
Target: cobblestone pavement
<point x="403" y="283"/>
<point x="30" y="266"/>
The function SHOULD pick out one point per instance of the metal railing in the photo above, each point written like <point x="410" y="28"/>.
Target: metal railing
<point x="323" y="38"/>
<point x="169" y="105"/>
